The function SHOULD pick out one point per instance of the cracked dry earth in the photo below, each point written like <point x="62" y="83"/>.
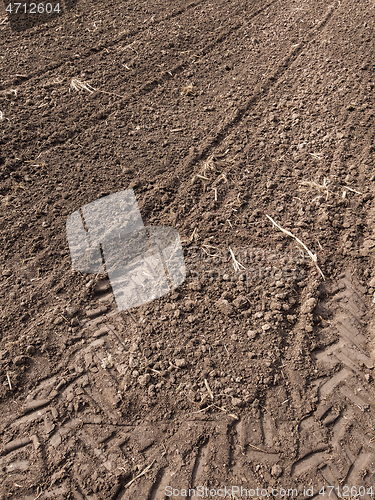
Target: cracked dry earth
<point x="217" y="114"/>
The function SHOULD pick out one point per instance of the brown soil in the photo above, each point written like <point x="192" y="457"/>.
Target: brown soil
<point x="261" y="377"/>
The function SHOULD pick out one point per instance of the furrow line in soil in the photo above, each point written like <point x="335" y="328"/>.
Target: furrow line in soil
<point x="260" y="92"/>
<point x="99" y="48"/>
<point x="71" y="134"/>
<point x="352" y="121"/>
<point x="104" y="46"/>
<point x="236" y="118"/>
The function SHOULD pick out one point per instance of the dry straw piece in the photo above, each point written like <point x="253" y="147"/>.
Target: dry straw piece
<point x="213" y="164"/>
<point x="76" y="84"/>
<point x="140" y="474"/>
<point x="208" y="389"/>
<point x="312" y="256"/>
<point x="9" y="382"/>
<point x="237" y="265"/>
<point x="320" y="187"/>
<point x="189" y="89"/>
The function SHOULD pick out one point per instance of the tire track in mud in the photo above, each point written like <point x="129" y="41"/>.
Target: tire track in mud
<point x="345" y="397"/>
<point x="219" y="449"/>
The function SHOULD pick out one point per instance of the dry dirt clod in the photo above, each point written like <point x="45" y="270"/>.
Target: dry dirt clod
<point x="276" y="470"/>
<point x="180" y="362"/>
<point x="237" y="402"/>
<point x="71" y="310"/>
<point x="30" y="350"/>
<point x="225" y="307"/>
<point x="133" y="362"/>
<point x="309" y="305"/>
<point x="101" y="286"/>
<point x="143" y="380"/>
<point x="93" y="313"/>
<point x="240" y="302"/>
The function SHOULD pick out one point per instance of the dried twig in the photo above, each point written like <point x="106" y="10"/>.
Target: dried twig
<point x="39" y="493"/>
<point x="9" y="382"/>
<point x="352" y="190"/>
<point x="208" y="389"/>
<point x="205" y="408"/>
<point x="204" y="247"/>
<point x="116" y="335"/>
<point x="140" y="474"/>
<point x="193" y="235"/>
<point x="312" y="256"/>
<point x="219" y="408"/>
<point x="256" y="448"/>
<point x="315" y="155"/>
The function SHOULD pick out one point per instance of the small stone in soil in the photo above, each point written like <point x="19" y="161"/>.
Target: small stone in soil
<point x="309" y="305"/>
<point x="133" y="362"/>
<point x="30" y="350"/>
<point x="102" y="286"/>
<point x="151" y="390"/>
<point x="180" y="362"/>
<point x="224" y="307"/>
<point x="240" y="302"/>
<point x="143" y="380"/>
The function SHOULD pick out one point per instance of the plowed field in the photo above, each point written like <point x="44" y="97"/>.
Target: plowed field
<point x="249" y="128"/>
